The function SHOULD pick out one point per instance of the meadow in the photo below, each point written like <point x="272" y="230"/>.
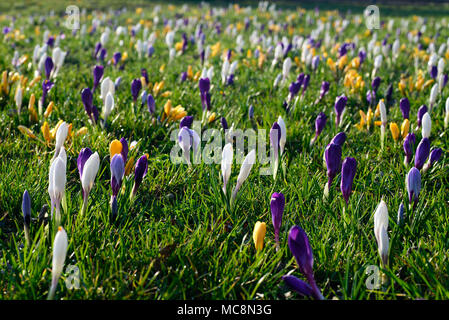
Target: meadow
<point x="181" y="236"/>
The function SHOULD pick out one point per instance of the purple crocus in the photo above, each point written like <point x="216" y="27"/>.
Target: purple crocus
<point x="375" y="84"/>
<point x="435" y="155"/>
<point x="97" y="49"/>
<point x="340" y="104"/>
<point x="98" y="74"/>
<point x="409" y="142"/>
<point x="348" y="170"/>
<point x="333" y="160"/>
<point x="320" y="122"/>
<point x="305" y="84"/>
<point x="298" y="285"/>
<point x="299" y="245"/>
<point x="421" y="112"/>
<point x="294" y="89"/>
<point x="339" y="138"/>
<point x="404" y="105"/>
<point x="48" y="67"/>
<point x="125" y="149"/>
<point x="413" y="182"/>
<point x="139" y="173"/>
<point x="151" y="104"/>
<point x="224" y="123"/>
<point x="389" y="94"/>
<point x="277" y="205"/>
<point x="275" y="137"/>
<point x="183" y="76"/>
<point x="204" y="85"/>
<point x="324" y="89"/>
<point x="46" y="86"/>
<point x="87" y="99"/>
<point x="433" y="72"/>
<point x="117" y="57"/>
<point x="117" y="172"/>
<point x="136" y="85"/>
<point x="144" y="74"/>
<point x="26" y="210"/>
<point x="103" y="54"/>
<point x="422" y="153"/>
<point x="187" y="121"/>
<point x="84" y="154"/>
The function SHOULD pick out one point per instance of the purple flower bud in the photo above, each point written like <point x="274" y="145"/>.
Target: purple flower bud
<point x="300" y="286"/>
<point x="413" y="185"/>
<point x="97" y="49"/>
<point x="277" y="205"/>
<point x="294" y="88"/>
<point x="300" y="79"/>
<point x="51" y="41"/>
<point x="87" y="99"/>
<point x="409" y="141"/>
<point x="230" y="80"/>
<point x="26" y="208"/>
<point x="151" y="104"/>
<point x="187" y="121"/>
<point x="433" y="72"/>
<point x="324" y="89"/>
<point x="435" y="155"/>
<point x="136" y="85"/>
<point x="150" y="51"/>
<point x="144" y="74"/>
<point x="320" y="122"/>
<point x="422" y="152"/>
<point x="401" y="213"/>
<point x="389" y="93"/>
<point x="84" y="154"/>
<point x="117" y="172"/>
<point x="348" y="170"/>
<point x="95" y="113"/>
<point x="315" y="62"/>
<point x="333" y="161"/>
<point x="117" y="57"/>
<point x="339" y="107"/>
<point x="421" y="112"/>
<point x="375" y="83"/>
<point x="339" y="138"/>
<point x="275" y="137"/>
<point x="445" y="79"/>
<point x="98" y="74"/>
<point x="299" y="245"/>
<point x="140" y="172"/>
<point x="305" y="83"/>
<point x="183" y="76"/>
<point x="46" y="86"/>
<point x="48" y="67"/>
<point x="404" y="105"/>
<point x="117" y="82"/>
<point x="362" y="56"/>
<point x="224" y="123"/>
<point x="251" y="112"/>
<point x="103" y="54"/>
<point x="124" y="149"/>
<point x="204" y="84"/>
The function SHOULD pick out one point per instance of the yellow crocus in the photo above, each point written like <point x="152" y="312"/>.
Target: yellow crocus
<point x="189" y="73"/>
<point x="362" y="120"/>
<point x="404" y="128"/>
<point x="394" y="131"/>
<point x="49" y="109"/>
<point x="26" y="131"/>
<point x="81" y="132"/>
<point x="167" y="107"/>
<point x="129" y="166"/>
<point x="46" y="132"/>
<point x="259" y="234"/>
<point x="115" y="147"/>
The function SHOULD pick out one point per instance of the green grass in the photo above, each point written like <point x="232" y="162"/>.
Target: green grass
<point x="178" y="240"/>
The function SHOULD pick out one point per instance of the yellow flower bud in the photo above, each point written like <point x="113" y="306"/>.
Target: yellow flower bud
<point x="167" y="107"/>
<point x="404" y="128"/>
<point x="115" y="147"/>
<point x="129" y="166"/>
<point x="49" y="109"/>
<point x="46" y="132"/>
<point x="189" y="72"/>
<point x="26" y="131"/>
<point x="82" y="131"/>
<point x="259" y="234"/>
<point x="394" y="131"/>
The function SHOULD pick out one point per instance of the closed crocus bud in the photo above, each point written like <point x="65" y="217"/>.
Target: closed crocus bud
<point x="260" y="229"/>
<point x="275" y="136"/>
<point x="422" y="153"/>
<point x="136" y="85"/>
<point x="283" y="139"/>
<point x="298" y="285"/>
<point x="413" y="183"/>
<point x="26" y="210"/>
<point x="389" y="94"/>
<point x="433" y="95"/>
<point x="380" y="231"/>
<point x="426" y="125"/>
<point x="60" y="245"/>
<point x="87" y="99"/>
<point x="299" y="245"/>
<point x="324" y="89"/>
<point x="404" y="105"/>
<point x="394" y="131"/>
<point x="320" y="122"/>
<point x="400" y="213"/>
<point x="108" y="106"/>
<point x="88" y="177"/>
<point x="84" y="154"/>
<point x="151" y="104"/>
<point x="226" y="164"/>
<point x="48" y="67"/>
<point x="409" y="142"/>
<point x="376" y="83"/>
<point x="61" y="136"/>
<point x="421" y="112"/>
<point x="245" y="170"/>
<point x="293" y="89"/>
<point x="18" y="98"/>
<point x="333" y="161"/>
<point x="277" y="205"/>
<point x="348" y="170"/>
<point x="187" y="121"/>
<point x="435" y="155"/>
<point x="125" y="149"/>
<point x="117" y="172"/>
<point x="340" y="104"/>
<point x="139" y="173"/>
<point x="185" y="139"/>
<point x="224" y="123"/>
<point x="339" y="138"/>
<point x="98" y="74"/>
<point x="107" y="85"/>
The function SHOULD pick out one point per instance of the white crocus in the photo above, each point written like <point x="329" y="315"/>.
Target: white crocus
<point x="169" y="38"/>
<point x="380" y="231"/>
<point x="286" y="68"/>
<point x="245" y="170"/>
<point x="377" y="64"/>
<point x="60" y="245"/>
<point x="383" y="118"/>
<point x="277" y="80"/>
<point x="283" y="139"/>
<point x="185" y="139"/>
<point x="226" y="164"/>
<point x="108" y="106"/>
<point x="58" y="57"/>
<point x="426" y="125"/>
<point x="61" y="136"/>
<point x="441" y="65"/>
<point x="57" y="185"/>
<point x="433" y="95"/>
<point x="90" y="171"/>
<point x="446" y="118"/>
<point x="18" y="98"/>
<point x="107" y="85"/>
<point x="224" y="71"/>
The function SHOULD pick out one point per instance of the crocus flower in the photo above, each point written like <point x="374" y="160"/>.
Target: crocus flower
<point x="117" y="173"/>
<point x="46" y="86"/>
<point x="323" y="90"/>
<point x="283" y="139"/>
<point x="400" y="213"/>
<point x="245" y="170"/>
<point x="57" y="181"/>
<point x="340" y="104"/>
<point x="108" y="106"/>
<point x="333" y="161"/>
<point x="300" y="286"/>
<point x="348" y="170"/>
<point x="275" y="137"/>
<point x="422" y="153"/>
<point x="125" y="149"/>
<point x="277" y="205"/>
<point x="251" y="112"/>
<point x="204" y="85"/>
<point x="426" y="125"/>
<point x="383" y="117"/>
<point x="380" y="231"/>
<point x="84" y="154"/>
<point x="98" y="74"/>
<point x="260" y="228"/>
<point x="26" y="210"/>
<point x="375" y="83"/>
<point x="404" y="105"/>
<point x="433" y="96"/>
<point x="107" y="86"/>
<point x="226" y="164"/>
<point x="305" y="84"/>
<point x="299" y="245"/>
<point x="293" y="89"/>
<point x="136" y="85"/>
<point x="48" y="67"/>
<point x="151" y="104"/>
<point x="435" y="155"/>
<point x="320" y="122"/>
<point x="87" y="99"/>
<point x="61" y="136"/>
<point x="60" y="245"/>
<point x="409" y="142"/>
<point x="117" y="57"/>
<point x="394" y="131"/>
<point x="139" y="173"/>
<point x="187" y="121"/>
<point x="339" y="138"/>
<point x="413" y="183"/>
<point x="224" y="123"/>
<point x="421" y="112"/>
<point x="89" y="172"/>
